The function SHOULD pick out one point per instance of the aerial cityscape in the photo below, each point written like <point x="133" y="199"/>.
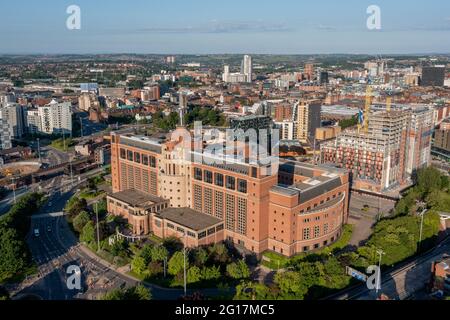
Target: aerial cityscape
<point x="242" y="173"/>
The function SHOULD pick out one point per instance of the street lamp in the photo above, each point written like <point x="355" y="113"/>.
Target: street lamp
<point x="381" y="253"/>
<point x="39" y="149"/>
<point x="98" y="230"/>
<point x="421" y="229"/>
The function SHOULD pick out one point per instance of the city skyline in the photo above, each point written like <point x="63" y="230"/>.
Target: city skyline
<point x="234" y="27"/>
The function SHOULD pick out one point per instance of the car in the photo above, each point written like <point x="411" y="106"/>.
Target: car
<point x="49" y="229"/>
<point x="36" y="233"/>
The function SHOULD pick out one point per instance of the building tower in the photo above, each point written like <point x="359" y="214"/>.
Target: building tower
<point x="247" y="68"/>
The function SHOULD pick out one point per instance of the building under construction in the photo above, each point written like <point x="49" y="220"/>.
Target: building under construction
<point x="383" y="154"/>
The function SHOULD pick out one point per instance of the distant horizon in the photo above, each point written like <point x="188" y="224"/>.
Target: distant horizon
<point x="213" y="27"/>
<point x="224" y="54"/>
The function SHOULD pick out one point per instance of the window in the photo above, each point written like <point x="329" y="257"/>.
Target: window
<point x="208" y="176"/>
<point x="130" y="155"/>
<point x="305" y="249"/>
<point x="254" y="172"/>
<point x="180" y="230"/>
<point x="325" y="228"/>
<point x="202" y="235"/>
<point x="211" y="231"/>
<point x="137" y="157"/>
<point x="219" y="228"/>
<point x="306" y="234"/>
<point x="198" y="174"/>
<point x="242" y="186"/>
<point x="123" y="153"/>
<point x="218" y="177"/>
<point x="170" y="226"/>
<point x="316" y="246"/>
<point x="231" y="183"/>
<point x="153" y="162"/>
<point x="158" y="223"/>
<point x="191" y="234"/>
<point x="316" y="231"/>
<point x="145" y="160"/>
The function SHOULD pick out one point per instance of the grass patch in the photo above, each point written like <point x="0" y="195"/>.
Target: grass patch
<point x="63" y="144"/>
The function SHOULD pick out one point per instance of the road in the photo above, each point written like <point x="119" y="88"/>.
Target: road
<point x="402" y="282"/>
<point x="55" y="250"/>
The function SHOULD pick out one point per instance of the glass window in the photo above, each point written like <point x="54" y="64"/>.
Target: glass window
<point x="170" y="226"/>
<point x="218" y="179"/>
<point x="231" y="183"/>
<point x="145" y="160"/>
<point x="202" y="235"/>
<point x="153" y="162"/>
<point x="137" y="157"/>
<point x="130" y="155"/>
<point x="123" y="153"/>
<point x="198" y="174"/>
<point x="208" y="176"/>
<point x="242" y="186"/>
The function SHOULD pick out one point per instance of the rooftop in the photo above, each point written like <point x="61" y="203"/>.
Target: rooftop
<point x="189" y="218"/>
<point x="136" y="198"/>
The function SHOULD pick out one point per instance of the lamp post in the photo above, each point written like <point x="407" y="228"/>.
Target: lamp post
<point x="98" y="230"/>
<point x="184" y="264"/>
<point x="380" y="253"/>
<point x="421" y="229"/>
<point x="39" y="149"/>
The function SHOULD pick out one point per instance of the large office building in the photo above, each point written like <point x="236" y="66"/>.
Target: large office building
<point x="384" y="157"/>
<point x="307" y="116"/>
<point x="53" y="118"/>
<point x="5" y="135"/>
<point x="13" y="114"/>
<point x="169" y="188"/>
<point x="433" y="76"/>
<point x="245" y="74"/>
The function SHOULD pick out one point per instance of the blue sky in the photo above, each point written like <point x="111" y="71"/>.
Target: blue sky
<point x="226" y="26"/>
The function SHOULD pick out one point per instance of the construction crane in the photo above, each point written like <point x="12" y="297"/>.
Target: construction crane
<point x="367" y="109"/>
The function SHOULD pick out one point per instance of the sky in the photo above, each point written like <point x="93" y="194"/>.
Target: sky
<point x="225" y="26"/>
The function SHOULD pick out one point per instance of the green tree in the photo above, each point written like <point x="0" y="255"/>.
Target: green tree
<point x="80" y="221"/>
<point x="138" y="265"/>
<point x="238" y="270"/>
<point x="131" y="294"/>
<point x="176" y="263"/>
<point x="13" y="254"/>
<point x="253" y="291"/>
<point x="200" y="257"/>
<point x="159" y="253"/>
<point x="194" y="275"/>
<point x="211" y="273"/>
<point x="88" y="233"/>
<point x="291" y="284"/>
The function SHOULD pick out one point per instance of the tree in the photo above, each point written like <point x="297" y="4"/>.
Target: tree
<point x="253" y="291"/>
<point x="80" y="221"/>
<point x="211" y="273"/>
<point x="291" y="285"/>
<point x="13" y="257"/>
<point x="194" y="275"/>
<point x="88" y="233"/>
<point x="200" y="257"/>
<point x="176" y="263"/>
<point x="238" y="270"/>
<point x="159" y="253"/>
<point x="138" y="265"/>
<point x="132" y="294"/>
<point x="119" y="248"/>
<point x="75" y="205"/>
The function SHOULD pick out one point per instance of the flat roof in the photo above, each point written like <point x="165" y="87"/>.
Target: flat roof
<point x="137" y="198"/>
<point x="189" y="218"/>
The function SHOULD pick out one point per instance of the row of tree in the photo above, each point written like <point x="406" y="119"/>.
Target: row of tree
<point x="14" y="254"/>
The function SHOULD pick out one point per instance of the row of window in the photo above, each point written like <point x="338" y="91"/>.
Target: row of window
<point x="220" y="180"/>
<point x="138" y="158"/>
<point x="308" y="248"/>
<point x="191" y="234"/>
